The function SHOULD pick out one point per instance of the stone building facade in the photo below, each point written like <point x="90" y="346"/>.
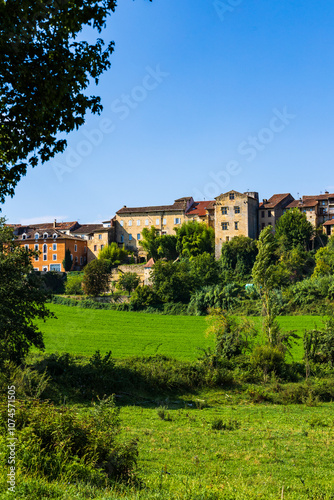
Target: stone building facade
<point x="272" y="209"/>
<point x="236" y="214"/>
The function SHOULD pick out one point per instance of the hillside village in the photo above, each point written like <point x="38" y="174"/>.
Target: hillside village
<point x="229" y="214"/>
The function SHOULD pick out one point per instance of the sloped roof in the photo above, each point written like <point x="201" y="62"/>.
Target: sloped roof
<point x="149" y="264"/>
<point x="31" y="231"/>
<point x="274" y="200"/>
<point x="329" y="223"/>
<point x="89" y="228"/>
<point x="177" y="206"/>
<point x="319" y="196"/>
<point x="198" y="208"/>
<point x="303" y="203"/>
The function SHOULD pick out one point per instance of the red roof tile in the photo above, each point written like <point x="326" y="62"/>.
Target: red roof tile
<point x="275" y="200"/>
<point x="198" y="208"/>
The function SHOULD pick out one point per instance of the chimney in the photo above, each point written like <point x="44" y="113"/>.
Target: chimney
<point x="55" y="223"/>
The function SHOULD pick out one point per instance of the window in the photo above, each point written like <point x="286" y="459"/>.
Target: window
<point x="55" y="267"/>
<point x="76" y="259"/>
<point x="263" y="225"/>
<point x="236" y="225"/>
<point x="54" y="247"/>
<point x="237" y="210"/>
<point x="163" y="232"/>
<point x="231" y="196"/>
<point x="36" y="247"/>
<point x="262" y="214"/>
<point x="26" y="247"/>
<point x="54" y="236"/>
<point x="45" y="257"/>
<point x="130" y="223"/>
<point x="71" y="257"/>
<point x="81" y="261"/>
<point x="36" y="269"/>
<point x="45" y="235"/>
<point x="122" y="238"/>
<point x="157" y="222"/>
<point x="45" y="248"/>
<point x="95" y="248"/>
<point x="130" y="237"/>
<point x="227" y="238"/>
<point x="24" y="236"/>
<point x="45" y="268"/>
<point x="269" y="213"/>
<point x="224" y="226"/>
<point x="54" y="256"/>
<point x="36" y="258"/>
<point x="75" y="248"/>
<point x="36" y="236"/>
<point x="138" y="222"/>
<point x="121" y="223"/>
<point x="138" y="236"/>
<point x="146" y="222"/>
<point x="100" y="236"/>
<point x="224" y="210"/>
<point x="102" y="246"/>
<point x="177" y="220"/>
<point x="164" y="222"/>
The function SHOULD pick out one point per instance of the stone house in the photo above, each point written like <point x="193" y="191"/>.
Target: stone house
<point x="272" y="209"/>
<point x="235" y="214"/>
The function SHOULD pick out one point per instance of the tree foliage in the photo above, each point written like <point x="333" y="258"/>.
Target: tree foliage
<point x="44" y="73"/>
<point x="324" y="259"/>
<point x="96" y="278"/>
<point x="22" y="300"/>
<point x="172" y="281"/>
<point x="238" y="255"/>
<point x="67" y="262"/>
<point x="128" y="281"/>
<point x="293" y="230"/>
<point x="113" y="254"/>
<point x="194" y="238"/>
<point x="159" y="246"/>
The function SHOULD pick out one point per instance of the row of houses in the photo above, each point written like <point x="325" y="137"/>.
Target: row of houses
<point x="230" y="214"/>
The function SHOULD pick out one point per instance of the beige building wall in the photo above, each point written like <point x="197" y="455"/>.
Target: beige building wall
<point x="236" y="214"/>
<point x="96" y="242"/>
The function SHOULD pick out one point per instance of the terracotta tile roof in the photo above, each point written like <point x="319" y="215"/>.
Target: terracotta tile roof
<point x="177" y="206"/>
<point x="303" y="203"/>
<point x="59" y="225"/>
<point x="149" y="264"/>
<point x="198" y="208"/>
<point x="274" y="200"/>
<point x="329" y="223"/>
<point x="319" y="196"/>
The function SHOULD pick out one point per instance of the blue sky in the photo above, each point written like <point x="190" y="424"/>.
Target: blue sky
<point x="202" y="97"/>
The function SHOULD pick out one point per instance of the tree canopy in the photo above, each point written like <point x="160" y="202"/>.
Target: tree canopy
<point x="44" y="73"/>
<point x="113" y="254"/>
<point x="194" y="238"/>
<point x="293" y="230"/>
<point x="22" y="299"/>
<point x="238" y="255"/>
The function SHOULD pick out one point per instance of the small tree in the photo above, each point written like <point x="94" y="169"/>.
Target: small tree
<point x="128" y="281"/>
<point x="194" y="238"/>
<point x="172" y="281"/>
<point x="96" y="278"/>
<point x="150" y="242"/>
<point x="67" y="262"/>
<point x="238" y="256"/>
<point x="293" y="230"/>
<point x="73" y="285"/>
<point x="22" y="300"/>
<point x="113" y="254"/>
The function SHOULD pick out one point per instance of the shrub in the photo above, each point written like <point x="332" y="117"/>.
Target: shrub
<point x="143" y="297"/>
<point x="96" y="278"/>
<point x="267" y="359"/>
<point x="61" y="444"/>
<point x="214" y="297"/>
<point x="73" y="284"/>
<point x="230" y="425"/>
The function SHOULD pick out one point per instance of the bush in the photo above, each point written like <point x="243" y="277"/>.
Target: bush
<point x="54" y="282"/>
<point x="60" y="444"/>
<point x="214" y="297"/>
<point x="96" y="278"/>
<point x="268" y="359"/>
<point x="143" y="297"/>
<point x="73" y="284"/>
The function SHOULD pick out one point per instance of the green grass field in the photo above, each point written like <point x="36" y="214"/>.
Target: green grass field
<point x="83" y="331"/>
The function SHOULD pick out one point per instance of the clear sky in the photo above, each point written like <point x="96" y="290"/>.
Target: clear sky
<point x="202" y="97"/>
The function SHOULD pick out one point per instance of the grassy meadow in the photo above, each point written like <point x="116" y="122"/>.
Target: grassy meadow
<point x="265" y="452"/>
<point x="83" y="331"/>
